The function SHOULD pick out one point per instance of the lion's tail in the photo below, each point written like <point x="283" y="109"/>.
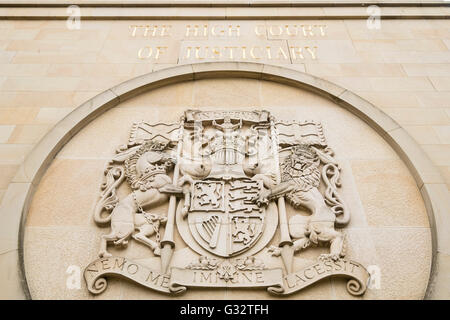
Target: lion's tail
<point x="331" y="177"/>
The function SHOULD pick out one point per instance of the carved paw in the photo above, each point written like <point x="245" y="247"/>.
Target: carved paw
<point x="262" y="202"/>
<point x="184" y="211"/>
<point x="185" y="179"/>
<point x="171" y="189"/>
<point x="262" y="199"/>
<point x="275" y="251"/>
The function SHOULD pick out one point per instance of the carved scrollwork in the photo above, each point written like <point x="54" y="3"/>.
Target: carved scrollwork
<point x="98" y="286"/>
<point x="356" y="287"/>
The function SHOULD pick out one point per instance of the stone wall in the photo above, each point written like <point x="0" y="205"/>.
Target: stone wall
<point x="403" y="68"/>
<point x="389" y="227"/>
<point x="47" y="71"/>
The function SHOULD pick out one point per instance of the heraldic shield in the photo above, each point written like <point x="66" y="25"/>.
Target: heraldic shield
<point x="221" y="208"/>
<point x="223" y="216"/>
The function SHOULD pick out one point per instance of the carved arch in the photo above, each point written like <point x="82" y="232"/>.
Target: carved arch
<point x="20" y="191"/>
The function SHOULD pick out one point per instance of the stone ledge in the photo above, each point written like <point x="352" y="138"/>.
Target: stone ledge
<point x="221" y="3"/>
<point x="222" y="13"/>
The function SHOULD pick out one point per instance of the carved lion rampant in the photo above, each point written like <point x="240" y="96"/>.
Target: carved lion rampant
<point x="145" y="167"/>
<point x="300" y="179"/>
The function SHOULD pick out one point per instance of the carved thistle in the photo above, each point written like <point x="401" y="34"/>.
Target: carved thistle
<point x="226" y="177"/>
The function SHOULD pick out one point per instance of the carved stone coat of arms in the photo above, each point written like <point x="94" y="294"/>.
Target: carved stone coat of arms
<point x="227" y="177"/>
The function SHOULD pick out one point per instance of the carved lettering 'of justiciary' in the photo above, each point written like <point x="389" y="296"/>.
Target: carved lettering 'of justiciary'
<point x="249" y="52"/>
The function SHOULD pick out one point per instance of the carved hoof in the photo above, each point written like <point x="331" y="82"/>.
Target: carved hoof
<point x="121" y="242"/>
<point x="104" y="254"/>
<point x="157" y="251"/>
<point x="325" y="257"/>
<point x="276" y="252"/>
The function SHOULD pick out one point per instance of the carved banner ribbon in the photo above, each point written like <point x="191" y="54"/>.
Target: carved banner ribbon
<point x="356" y="285"/>
<point x="96" y="272"/>
<point x="183" y="278"/>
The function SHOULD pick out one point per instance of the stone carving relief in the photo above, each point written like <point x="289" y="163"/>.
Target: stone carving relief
<point x="227" y="177"/>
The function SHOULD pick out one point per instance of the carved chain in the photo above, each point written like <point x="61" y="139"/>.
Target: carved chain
<point x="149" y="219"/>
